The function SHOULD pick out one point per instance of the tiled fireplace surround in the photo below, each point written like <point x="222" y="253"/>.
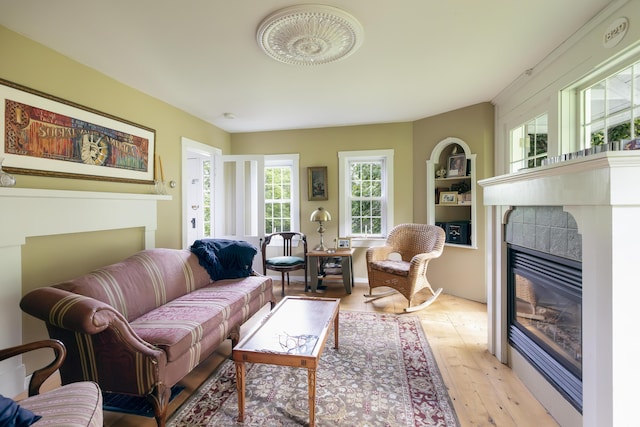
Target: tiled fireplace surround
<point x="601" y="193"/>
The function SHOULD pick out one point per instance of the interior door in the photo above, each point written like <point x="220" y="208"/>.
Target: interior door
<point x="240" y="216"/>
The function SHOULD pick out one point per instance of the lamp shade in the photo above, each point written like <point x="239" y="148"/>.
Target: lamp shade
<point x="320" y="215"/>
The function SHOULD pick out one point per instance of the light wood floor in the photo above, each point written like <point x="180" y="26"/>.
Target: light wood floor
<point x="484" y="391"/>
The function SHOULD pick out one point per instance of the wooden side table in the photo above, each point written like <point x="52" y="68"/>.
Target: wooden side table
<point x="346" y="256"/>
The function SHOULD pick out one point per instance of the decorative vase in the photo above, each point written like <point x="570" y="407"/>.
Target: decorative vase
<point x="6" y="180"/>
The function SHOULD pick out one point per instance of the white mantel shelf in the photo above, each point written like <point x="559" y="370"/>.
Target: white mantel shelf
<point x="602" y="193"/>
<point x="603" y="178"/>
<point x="70" y="194"/>
<point x="30" y="212"/>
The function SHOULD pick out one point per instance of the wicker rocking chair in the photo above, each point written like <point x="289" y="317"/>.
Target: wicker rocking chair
<point x="401" y="264"/>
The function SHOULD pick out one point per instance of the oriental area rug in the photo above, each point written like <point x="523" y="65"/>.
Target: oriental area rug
<point x="383" y="374"/>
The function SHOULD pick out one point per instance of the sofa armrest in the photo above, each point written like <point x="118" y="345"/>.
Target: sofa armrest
<point x="66" y="310"/>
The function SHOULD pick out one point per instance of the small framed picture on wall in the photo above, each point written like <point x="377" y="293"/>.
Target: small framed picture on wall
<point x="317" y="177"/>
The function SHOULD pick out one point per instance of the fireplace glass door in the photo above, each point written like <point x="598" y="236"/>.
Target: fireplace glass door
<point x="545" y="313"/>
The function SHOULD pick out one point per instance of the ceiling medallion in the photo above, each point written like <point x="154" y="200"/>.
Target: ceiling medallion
<point x="309" y="34"/>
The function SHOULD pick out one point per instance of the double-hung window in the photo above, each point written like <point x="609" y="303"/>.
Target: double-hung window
<point x="281" y="199"/>
<point x="366" y="193"/>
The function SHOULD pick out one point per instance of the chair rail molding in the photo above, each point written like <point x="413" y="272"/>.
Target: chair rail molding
<point x="66" y="212"/>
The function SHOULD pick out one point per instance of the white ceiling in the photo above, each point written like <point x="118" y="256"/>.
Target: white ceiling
<point x="419" y="57"/>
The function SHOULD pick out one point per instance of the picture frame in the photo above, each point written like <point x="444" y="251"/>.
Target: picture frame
<point x="343" y="243"/>
<point x="317" y="180"/>
<point x="448" y="197"/>
<point x="48" y="136"/>
<point x="439" y="191"/>
<point x="457" y="165"/>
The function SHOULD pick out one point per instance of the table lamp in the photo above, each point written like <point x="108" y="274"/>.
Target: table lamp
<point x="320" y="216"/>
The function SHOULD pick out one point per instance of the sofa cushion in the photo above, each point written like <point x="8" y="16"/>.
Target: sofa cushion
<point x="142" y="282"/>
<point x="180" y="325"/>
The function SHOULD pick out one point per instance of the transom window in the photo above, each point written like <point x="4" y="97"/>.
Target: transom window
<point x="611" y="108"/>
<point x="529" y="143"/>
<point x="366" y="193"/>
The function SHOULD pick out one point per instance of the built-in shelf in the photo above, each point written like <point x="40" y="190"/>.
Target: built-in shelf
<point x="459" y="215"/>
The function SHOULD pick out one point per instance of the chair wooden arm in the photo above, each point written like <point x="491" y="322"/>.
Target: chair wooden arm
<point x="40" y="375"/>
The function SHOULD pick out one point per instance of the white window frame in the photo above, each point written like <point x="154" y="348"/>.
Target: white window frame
<point x="292" y="161"/>
<point x="520" y="145"/>
<point x="584" y="123"/>
<point x="345" y="158"/>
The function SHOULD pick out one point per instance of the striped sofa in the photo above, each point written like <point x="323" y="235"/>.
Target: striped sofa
<point x="138" y="326"/>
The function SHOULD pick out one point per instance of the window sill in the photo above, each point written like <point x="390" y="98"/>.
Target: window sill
<point x="361" y="242"/>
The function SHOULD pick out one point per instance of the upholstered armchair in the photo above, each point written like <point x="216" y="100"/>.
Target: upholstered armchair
<point x="76" y="404"/>
<point x="287" y="259"/>
<point x="401" y="264"/>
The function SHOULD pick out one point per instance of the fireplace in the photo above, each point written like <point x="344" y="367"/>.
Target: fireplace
<point x="544" y="314"/>
<point x="598" y="193"/>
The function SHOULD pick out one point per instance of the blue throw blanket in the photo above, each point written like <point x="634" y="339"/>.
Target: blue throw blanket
<point x="225" y="259"/>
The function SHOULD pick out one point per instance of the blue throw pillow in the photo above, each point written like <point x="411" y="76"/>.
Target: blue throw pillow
<point x="13" y="415"/>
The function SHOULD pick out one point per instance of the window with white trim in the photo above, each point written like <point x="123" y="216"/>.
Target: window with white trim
<point x="529" y="144"/>
<point x="281" y="199"/>
<point x="611" y="108"/>
<point x="366" y="193"/>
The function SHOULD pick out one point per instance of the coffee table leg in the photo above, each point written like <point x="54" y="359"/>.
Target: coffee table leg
<point x="240" y="383"/>
<point x="312" y="397"/>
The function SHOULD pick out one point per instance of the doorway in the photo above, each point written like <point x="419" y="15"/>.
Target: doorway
<point x="198" y="184"/>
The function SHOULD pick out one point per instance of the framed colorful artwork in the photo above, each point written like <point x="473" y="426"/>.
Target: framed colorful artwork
<point x="48" y="136"/>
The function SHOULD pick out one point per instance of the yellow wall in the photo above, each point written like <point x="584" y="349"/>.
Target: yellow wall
<point x="32" y="65"/>
<point x="459" y="271"/>
<point x="319" y="147"/>
<point x="55" y="258"/>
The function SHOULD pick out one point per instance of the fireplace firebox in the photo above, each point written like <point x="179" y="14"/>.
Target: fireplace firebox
<point x="545" y="316"/>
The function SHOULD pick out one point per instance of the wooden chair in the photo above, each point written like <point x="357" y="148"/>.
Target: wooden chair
<point x="401" y="264"/>
<point x="288" y="261"/>
<point x="77" y="404"/>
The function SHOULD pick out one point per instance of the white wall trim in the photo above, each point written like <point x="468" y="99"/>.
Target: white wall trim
<point x="21" y="216"/>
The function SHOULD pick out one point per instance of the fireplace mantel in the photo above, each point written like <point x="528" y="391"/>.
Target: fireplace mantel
<point x="601" y="192"/>
<point x="28" y="212"/>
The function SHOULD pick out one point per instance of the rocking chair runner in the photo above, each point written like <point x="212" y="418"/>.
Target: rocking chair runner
<point x="415" y="245"/>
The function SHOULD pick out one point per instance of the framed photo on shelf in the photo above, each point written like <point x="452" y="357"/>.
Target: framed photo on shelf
<point x="457" y="165"/>
<point x="439" y="191"/>
<point x="343" y="243"/>
<point x="317" y="178"/>
<point x="449" y="198"/>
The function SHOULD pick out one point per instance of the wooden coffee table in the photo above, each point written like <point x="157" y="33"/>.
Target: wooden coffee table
<point x="293" y="334"/>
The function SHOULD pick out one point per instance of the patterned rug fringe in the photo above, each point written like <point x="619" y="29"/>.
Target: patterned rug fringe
<point x="384" y="374"/>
